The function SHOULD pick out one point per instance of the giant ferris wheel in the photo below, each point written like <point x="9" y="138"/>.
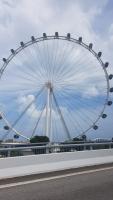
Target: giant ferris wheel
<point x="56" y="86"/>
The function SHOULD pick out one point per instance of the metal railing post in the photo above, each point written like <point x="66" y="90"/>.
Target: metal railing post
<point x="8" y="151"/>
<point x="91" y="147"/>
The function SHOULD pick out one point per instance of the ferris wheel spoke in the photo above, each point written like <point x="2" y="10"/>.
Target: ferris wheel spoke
<point x="49" y="62"/>
<point x="23" y="85"/>
<point x="55" y="48"/>
<point x="86" y="112"/>
<point x="76" y="80"/>
<point x="29" y="65"/>
<point x="74" y="121"/>
<point x="85" y="102"/>
<point x="71" y="105"/>
<point x="63" y="59"/>
<point x="48" y="58"/>
<point x="81" y="117"/>
<point x="70" y="71"/>
<point x="77" y="62"/>
<point x="64" y="64"/>
<point x="22" y="68"/>
<point x="87" y="92"/>
<point x="85" y="68"/>
<point x="84" y="91"/>
<point x="55" y="59"/>
<point x="26" y="76"/>
<point x="69" y="52"/>
<point x="46" y="55"/>
<point x="35" y="64"/>
<point x="84" y="64"/>
<point x="43" y="57"/>
<point x="19" y="90"/>
<point x="84" y="105"/>
<point x="78" y="84"/>
<point x="60" y="56"/>
<point x="39" y="60"/>
<point x="53" y="55"/>
<point x="40" y="57"/>
<point x="58" y="60"/>
<point x="81" y="102"/>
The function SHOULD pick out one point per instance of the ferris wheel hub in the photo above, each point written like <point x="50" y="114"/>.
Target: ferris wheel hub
<point x="49" y="85"/>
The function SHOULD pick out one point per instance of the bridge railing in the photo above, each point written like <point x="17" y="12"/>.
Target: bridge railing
<point x="49" y="148"/>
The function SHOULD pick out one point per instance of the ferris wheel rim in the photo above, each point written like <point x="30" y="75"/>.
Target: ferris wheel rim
<point x="53" y="37"/>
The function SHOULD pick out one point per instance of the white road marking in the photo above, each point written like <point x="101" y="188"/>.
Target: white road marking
<point x="53" y="178"/>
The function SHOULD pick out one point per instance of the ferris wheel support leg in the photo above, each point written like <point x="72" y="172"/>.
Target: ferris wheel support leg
<point x="48" y="113"/>
<point x="50" y="129"/>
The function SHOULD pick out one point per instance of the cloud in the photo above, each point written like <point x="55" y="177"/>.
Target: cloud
<point x="20" y="19"/>
<point x="33" y="111"/>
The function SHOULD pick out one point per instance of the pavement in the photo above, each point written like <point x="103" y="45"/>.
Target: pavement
<point x="94" y="183"/>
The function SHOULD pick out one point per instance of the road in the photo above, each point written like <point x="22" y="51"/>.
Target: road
<point x="88" y="185"/>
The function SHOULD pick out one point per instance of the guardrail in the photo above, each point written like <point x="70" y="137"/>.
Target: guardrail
<point x="48" y="148"/>
<point x="27" y="165"/>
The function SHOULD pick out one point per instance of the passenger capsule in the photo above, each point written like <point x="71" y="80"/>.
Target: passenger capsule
<point x="33" y="38"/>
<point x="110" y="76"/>
<point x="111" y="89"/>
<point x="99" y="54"/>
<point x="12" y="51"/>
<point x="4" y="59"/>
<point x="104" y="116"/>
<point x="16" y="136"/>
<point x="68" y="36"/>
<point x="106" y="64"/>
<point x="22" y="44"/>
<point x="109" y="103"/>
<point x="95" y="127"/>
<point x="6" y="127"/>
<point x="44" y="35"/>
<point x="90" y="46"/>
<point x="80" y="39"/>
<point x="56" y="34"/>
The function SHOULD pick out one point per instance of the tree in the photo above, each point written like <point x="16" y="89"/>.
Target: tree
<point x="76" y="139"/>
<point x="39" y="139"/>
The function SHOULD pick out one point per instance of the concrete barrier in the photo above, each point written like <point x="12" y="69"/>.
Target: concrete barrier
<point x="24" y="165"/>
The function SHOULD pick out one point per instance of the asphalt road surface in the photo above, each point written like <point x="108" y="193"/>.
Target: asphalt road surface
<point x="91" y="185"/>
